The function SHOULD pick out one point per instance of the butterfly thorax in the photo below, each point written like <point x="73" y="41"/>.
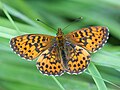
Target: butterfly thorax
<point x="60" y="38"/>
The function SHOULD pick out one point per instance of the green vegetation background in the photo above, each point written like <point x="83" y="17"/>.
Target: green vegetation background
<point x="18" y="74"/>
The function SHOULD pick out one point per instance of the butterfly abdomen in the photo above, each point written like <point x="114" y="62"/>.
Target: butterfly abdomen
<point x="63" y="54"/>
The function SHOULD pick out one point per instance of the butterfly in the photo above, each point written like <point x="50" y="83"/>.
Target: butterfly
<point x="63" y="53"/>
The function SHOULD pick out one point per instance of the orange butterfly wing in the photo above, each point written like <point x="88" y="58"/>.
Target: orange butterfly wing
<point x="78" y="59"/>
<point x="91" y="39"/>
<point x="30" y="46"/>
<point x="50" y="63"/>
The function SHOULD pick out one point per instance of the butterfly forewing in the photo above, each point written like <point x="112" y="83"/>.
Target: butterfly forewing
<point x="91" y="39"/>
<point x="30" y="46"/>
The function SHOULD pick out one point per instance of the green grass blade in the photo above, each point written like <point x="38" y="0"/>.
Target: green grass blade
<point x="20" y="15"/>
<point x="11" y="20"/>
<point x="99" y="82"/>
<point x="104" y="80"/>
<point x="59" y="84"/>
<point x="108" y="57"/>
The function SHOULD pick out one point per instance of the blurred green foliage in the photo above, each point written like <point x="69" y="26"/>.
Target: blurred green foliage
<point x="17" y="74"/>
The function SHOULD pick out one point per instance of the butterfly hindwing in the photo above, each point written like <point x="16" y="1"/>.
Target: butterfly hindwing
<point x="30" y="46"/>
<point x="49" y="62"/>
<point x="78" y="59"/>
<point x="91" y="39"/>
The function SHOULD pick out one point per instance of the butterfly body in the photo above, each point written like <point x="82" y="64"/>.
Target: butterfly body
<point x="59" y="43"/>
<point x="62" y="53"/>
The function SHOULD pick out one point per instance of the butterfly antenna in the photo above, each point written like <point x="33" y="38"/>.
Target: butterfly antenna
<point x="76" y="20"/>
<point x="45" y="24"/>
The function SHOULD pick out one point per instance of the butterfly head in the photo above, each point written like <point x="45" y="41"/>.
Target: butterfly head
<point x="59" y="32"/>
<point x="60" y="37"/>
